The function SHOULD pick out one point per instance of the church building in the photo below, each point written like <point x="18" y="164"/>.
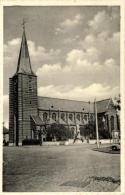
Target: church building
<point x="28" y="113"/>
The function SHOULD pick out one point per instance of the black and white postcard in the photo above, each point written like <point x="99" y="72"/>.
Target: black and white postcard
<point x="62" y="75"/>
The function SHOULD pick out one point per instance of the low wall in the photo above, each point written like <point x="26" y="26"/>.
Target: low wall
<point x="103" y="141"/>
<point x="70" y="142"/>
<point x="57" y="143"/>
<point x="51" y="143"/>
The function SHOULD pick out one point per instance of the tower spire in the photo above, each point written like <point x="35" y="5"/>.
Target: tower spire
<point x="24" y="64"/>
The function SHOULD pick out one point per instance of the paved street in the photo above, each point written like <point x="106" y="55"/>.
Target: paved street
<point x="60" y="168"/>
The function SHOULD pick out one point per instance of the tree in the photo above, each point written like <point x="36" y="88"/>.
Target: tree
<point x="117" y="106"/>
<point x="102" y="127"/>
<point x="88" y="130"/>
<point x="58" y="131"/>
<point x="117" y="102"/>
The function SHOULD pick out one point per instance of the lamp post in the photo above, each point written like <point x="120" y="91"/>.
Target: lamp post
<point x="118" y="125"/>
<point x="96" y="120"/>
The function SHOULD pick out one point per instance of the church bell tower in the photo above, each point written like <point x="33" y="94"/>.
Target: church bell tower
<point x="22" y="97"/>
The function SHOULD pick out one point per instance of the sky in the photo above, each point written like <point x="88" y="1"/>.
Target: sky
<point x="74" y="50"/>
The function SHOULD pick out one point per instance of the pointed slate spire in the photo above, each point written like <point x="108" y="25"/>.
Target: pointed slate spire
<point x="24" y="64"/>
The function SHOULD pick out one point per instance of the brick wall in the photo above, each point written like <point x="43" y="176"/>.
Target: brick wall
<point x="23" y="104"/>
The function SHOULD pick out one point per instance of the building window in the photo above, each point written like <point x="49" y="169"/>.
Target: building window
<point x="30" y="84"/>
<point x="91" y="117"/>
<point x="78" y="117"/>
<point x="63" y="116"/>
<point x="85" y="117"/>
<point x="44" y="116"/>
<point x="71" y="117"/>
<point x="54" y="116"/>
<point x="72" y="132"/>
<point x="15" y="86"/>
<point x="112" y="122"/>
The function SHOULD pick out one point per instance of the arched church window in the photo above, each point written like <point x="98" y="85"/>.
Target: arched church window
<point x="112" y="122"/>
<point x="85" y="117"/>
<point x="71" y="117"/>
<point x="91" y="117"/>
<point x="82" y="117"/>
<point x="44" y="116"/>
<point x="54" y="116"/>
<point x="78" y="117"/>
<point x="62" y="116"/>
<point x="72" y="128"/>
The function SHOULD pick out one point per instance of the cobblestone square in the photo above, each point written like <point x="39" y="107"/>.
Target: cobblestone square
<point x="75" y="168"/>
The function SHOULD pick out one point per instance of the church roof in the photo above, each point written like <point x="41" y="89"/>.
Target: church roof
<point x="62" y="122"/>
<point x="46" y="103"/>
<point x="24" y="64"/>
<point x="79" y="122"/>
<point x="102" y="106"/>
<point x="71" y="122"/>
<point x="37" y="120"/>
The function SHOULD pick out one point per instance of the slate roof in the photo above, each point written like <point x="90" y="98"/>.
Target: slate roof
<point x="79" y="122"/>
<point x="46" y="103"/>
<point x="37" y="120"/>
<point x="50" y="121"/>
<point x="62" y="122"/>
<point x="102" y="106"/>
<point x="71" y="122"/>
<point x="24" y="64"/>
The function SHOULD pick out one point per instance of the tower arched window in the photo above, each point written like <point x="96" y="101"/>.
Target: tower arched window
<point x="30" y="84"/>
<point x="63" y="116"/>
<point x="54" y="116"/>
<point x="45" y="116"/>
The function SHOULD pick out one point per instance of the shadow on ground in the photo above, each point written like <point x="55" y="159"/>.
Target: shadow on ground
<point x="106" y="150"/>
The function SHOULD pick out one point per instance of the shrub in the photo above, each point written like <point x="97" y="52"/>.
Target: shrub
<point x="30" y="142"/>
<point x="6" y="143"/>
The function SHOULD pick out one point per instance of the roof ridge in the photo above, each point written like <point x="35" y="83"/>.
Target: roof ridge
<point x="64" y="99"/>
<point x="104" y="100"/>
<point x="72" y="99"/>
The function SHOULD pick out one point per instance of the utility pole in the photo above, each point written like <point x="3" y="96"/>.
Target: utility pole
<point x="96" y="120"/>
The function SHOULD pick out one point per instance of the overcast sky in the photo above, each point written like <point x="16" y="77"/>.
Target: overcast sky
<point x="75" y="51"/>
